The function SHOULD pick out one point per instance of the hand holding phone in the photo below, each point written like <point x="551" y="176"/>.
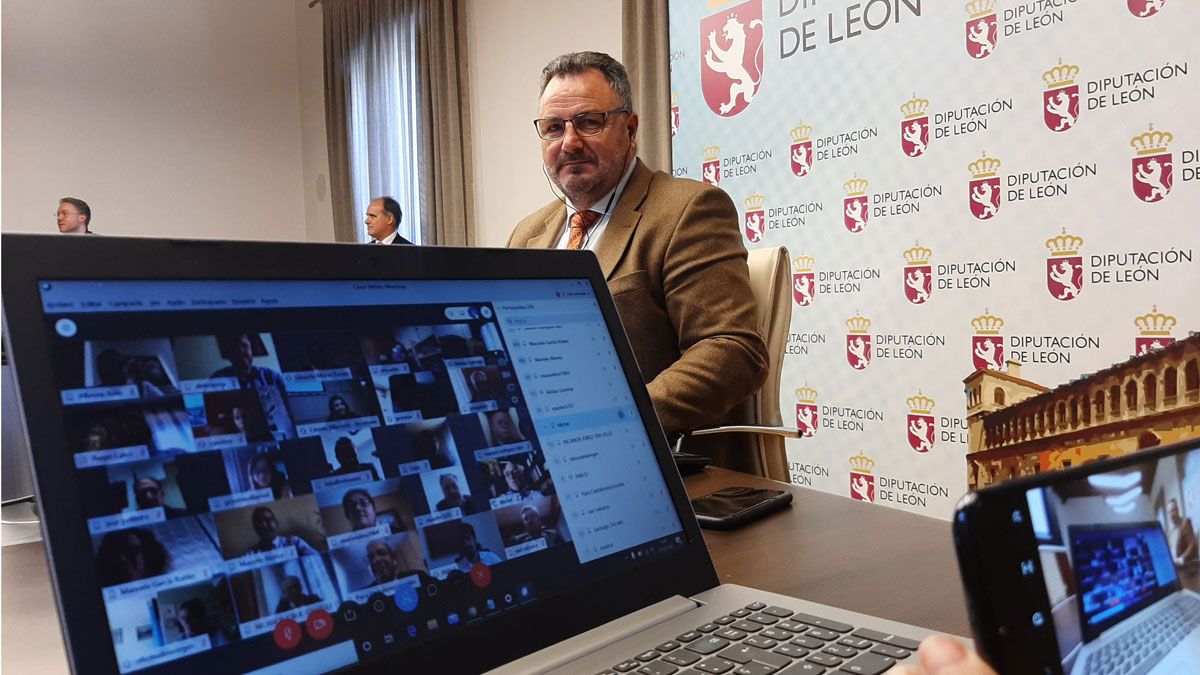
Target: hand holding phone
<point x="1091" y="569"/>
<point x="944" y="654"/>
<point x="735" y="506"/>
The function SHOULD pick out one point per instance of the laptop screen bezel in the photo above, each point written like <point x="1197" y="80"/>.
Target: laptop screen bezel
<point x="685" y="570"/>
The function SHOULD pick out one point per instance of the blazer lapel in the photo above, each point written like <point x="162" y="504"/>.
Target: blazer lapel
<point x="624" y="220"/>
<point x="551" y="229"/>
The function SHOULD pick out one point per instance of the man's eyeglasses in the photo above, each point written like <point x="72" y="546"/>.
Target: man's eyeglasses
<point x="66" y="213"/>
<point x="586" y="124"/>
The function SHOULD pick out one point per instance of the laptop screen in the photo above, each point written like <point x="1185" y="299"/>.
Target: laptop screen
<point x="316" y="473"/>
<point x="1120" y="569"/>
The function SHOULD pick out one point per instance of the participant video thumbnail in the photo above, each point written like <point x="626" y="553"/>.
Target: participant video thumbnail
<point x="223" y="419"/>
<point x="423" y="446"/>
<point x="384" y="348"/>
<point x="123" y="432"/>
<point x="110" y="427"/>
<point x="424" y="394"/>
<point x="142" y="553"/>
<point x="387" y="358"/>
<point x="514" y="477"/>
<point x="334" y="405"/>
<point x="506" y="427"/>
<point x="428" y="346"/>
<point x="141" y="493"/>
<point x="169" y="618"/>
<point x="365" y="509"/>
<point x="291" y="589"/>
<point x="455" y="546"/>
<point x="349" y="455"/>
<point x="117" y="370"/>
<point x="147" y="364"/>
<point x="332" y="459"/>
<point x="319" y="355"/>
<point x="447" y="488"/>
<point x="415" y="378"/>
<point x="327" y="380"/>
<point x="138" y="493"/>
<point x="283" y="525"/>
<point x="379" y="564"/>
<point x="203" y="609"/>
<point x="257" y="468"/>
<point x="478" y="386"/>
<point x="237" y="360"/>
<point x="531" y="525"/>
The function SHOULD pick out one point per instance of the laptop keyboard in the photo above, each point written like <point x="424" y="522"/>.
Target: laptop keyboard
<point x="1144" y="645"/>
<point x="762" y="639"/>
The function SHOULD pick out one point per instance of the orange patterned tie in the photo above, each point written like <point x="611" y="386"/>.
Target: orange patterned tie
<point x="581" y="222"/>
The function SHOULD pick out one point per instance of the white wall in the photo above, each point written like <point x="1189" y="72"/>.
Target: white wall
<point x="509" y="43"/>
<point x="310" y="52"/>
<point x="205" y="118"/>
<point x="181" y="118"/>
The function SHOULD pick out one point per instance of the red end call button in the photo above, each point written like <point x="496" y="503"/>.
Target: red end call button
<point x="287" y="634"/>
<point x="481" y="575"/>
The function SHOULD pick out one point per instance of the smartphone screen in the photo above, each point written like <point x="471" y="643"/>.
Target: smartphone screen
<point x="729" y="502"/>
<point x="1094" y="570"/>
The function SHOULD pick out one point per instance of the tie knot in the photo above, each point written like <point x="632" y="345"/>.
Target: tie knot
<point x="581" y="222"/>
<point x="584" y="220"/>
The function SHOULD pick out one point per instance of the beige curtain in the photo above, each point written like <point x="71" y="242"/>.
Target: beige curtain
<point x="446" y="124"/>
<point x="397" y="114"/>
<point x="339" y="20"/>
<point x="645" y="36"/>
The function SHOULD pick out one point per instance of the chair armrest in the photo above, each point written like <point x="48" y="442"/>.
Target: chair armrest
<point x="786" y="432"/>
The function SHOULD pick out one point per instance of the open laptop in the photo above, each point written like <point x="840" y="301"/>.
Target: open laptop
<point x="1134" y="613"/>
<point x="290" y="458"/>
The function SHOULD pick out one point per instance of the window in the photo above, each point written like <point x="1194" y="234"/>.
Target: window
<point x="383" y="126"/>
<point x="998" y="396"/>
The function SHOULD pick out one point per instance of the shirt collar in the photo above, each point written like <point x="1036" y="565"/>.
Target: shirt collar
<point x="390" y="238"/>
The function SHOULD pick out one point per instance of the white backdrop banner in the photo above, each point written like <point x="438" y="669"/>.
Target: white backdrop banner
<point x="959" y="186"/>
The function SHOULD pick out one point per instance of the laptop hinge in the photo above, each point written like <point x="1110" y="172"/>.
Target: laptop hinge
<point x="599" y="637"/>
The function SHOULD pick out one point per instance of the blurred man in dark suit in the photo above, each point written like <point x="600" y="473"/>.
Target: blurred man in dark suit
<point x="383" y="219"/>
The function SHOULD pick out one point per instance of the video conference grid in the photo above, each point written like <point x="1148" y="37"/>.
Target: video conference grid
<point x="262" y="475"/>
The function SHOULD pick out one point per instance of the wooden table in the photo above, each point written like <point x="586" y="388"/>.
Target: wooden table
<point x="837" y="551"/>
<point x="825" y="548"/>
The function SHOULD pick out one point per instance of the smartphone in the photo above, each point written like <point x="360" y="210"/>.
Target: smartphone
<point x="1087" y="570"/>
<point x="735" y="506"/>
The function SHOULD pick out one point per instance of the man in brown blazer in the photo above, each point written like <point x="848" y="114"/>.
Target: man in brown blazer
<point x="671" y="249"/>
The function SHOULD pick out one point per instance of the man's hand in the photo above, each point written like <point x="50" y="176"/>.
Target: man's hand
<point x="943" y="655"/>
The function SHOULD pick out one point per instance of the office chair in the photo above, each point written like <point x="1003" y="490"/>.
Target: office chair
<point x="771" y="281"/>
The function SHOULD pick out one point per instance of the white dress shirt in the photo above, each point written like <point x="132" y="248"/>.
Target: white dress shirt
<point x="604" y="205"/>
<point x="388" y="239"/>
